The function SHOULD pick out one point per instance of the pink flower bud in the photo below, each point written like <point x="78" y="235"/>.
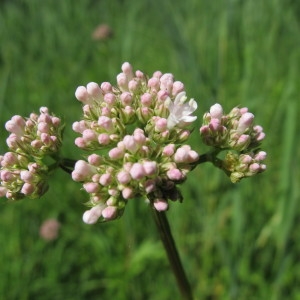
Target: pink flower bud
<point x="204" y="130"/>
<point x="43" y="127"/>
<point x="137" y="171"/>
<point x="106" y="123"/>
<point x="81" y="94"/>
<point x="245" y="159"/>
<point x="28" y="188"/>
<point x="245" y="122"/>
<point x="169" y="150"/>
<point x="193" y="156"/>
<point x="89" y="135"/>
<point x="127" y="70"/>
<point x="178" y="87"/>
<point x="162" y="95"/>
<point x="128" y="111"/>
<point x="79" y="126"/>
<point x="260" y="156"/>
<point x="260" y="136"/>
<point x="116" y="153"/>
<point x="157" y="74"/>
<point x="15" y="125"/>
<point x="82" y="170"/>
<point x="127" y="193"/>
<point x="56" y="121"/>
<point x="153" y="83"/>
<point x="160" y="204"/>
<point x="94" y="90"/>
<point x="91" y="216"/>
<point x="44" y="110"/>
<point x="214" y="124"/>
<point x="36" y="144"/>
<point x="139" y="74"/>
<point x="110" y="99"/>
<point x="146" y="99"/>
<point x="166" y="82"/>
<point x="91" y="187"/>
<point x="254" y="168"/>
<point x="161" y="124"/>
<point x="45" y="138"/>
<point x="150" y="167"/>
<point x="126" y="98"/>
<point x="175" y="174"/>
<point x="122" y="82"/>
<point x="243" y="110"/>
<point x="106" y="111"/>
<point x="9" y="159"/>
<point x="181" y="155"/>
<point x="216" y="111"/>
<point x="105" y="179"/>
<point x="44" y="117"/>
<point x="26" y="176"/>
<point x="103" y="139"/>
<point x="243" y="141"/>
<point x="94" y="159"/>
<point x="184" y="135"/>
<point x="130" y="143"/>
<point x="106" y="87"/>
<point x="133" y="85"/>
<point x="80" y="142"/>
<point x="6" y="175"/>
<point x="139" y="136"/>
<point x="123" y="177"/>
<point x="110" y="212"/>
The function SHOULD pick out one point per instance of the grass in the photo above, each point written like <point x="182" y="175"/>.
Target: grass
<point x="236" y="241"/>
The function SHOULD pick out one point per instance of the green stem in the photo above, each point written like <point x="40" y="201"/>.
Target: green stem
<point x="172" y="253"/>
<point x="67" y="165"/>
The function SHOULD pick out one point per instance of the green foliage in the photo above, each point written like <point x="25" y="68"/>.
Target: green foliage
<point x="236" y="241"/>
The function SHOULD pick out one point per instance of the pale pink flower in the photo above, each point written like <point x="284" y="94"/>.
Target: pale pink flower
<point x="180" y="111"/>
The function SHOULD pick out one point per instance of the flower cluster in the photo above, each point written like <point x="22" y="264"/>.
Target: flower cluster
<point x="23" y="172"/>
<point x="232" y="131"/>
<point x="136" y="136"/>
<point x="244" y="165"/>
<point x="235" y="131"/>
<point x="142" y="122"/>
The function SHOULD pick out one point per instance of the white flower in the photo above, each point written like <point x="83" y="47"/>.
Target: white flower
<point x="180" y="111"/>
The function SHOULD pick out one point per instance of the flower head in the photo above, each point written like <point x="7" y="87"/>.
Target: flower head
<point x="148" y="162"/>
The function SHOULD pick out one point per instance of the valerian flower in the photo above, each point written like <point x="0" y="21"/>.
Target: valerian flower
<point x="181" y="110"/>
<point x="148" y="162"/>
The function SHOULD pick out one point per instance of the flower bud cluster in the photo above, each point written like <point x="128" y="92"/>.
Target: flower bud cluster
<point x="38" y="135"/>
<point x="22" y="172"/>
<point x="146" y="162"/>
<point x="158" y="103"/>
<point x="244" y="165"/>
<point x="234" y="131"/>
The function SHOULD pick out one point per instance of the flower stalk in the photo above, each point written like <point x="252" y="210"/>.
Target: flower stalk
<point x="163" y="227"/>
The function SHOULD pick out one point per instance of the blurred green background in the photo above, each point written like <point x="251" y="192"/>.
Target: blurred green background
<point x="236" y="241"/>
